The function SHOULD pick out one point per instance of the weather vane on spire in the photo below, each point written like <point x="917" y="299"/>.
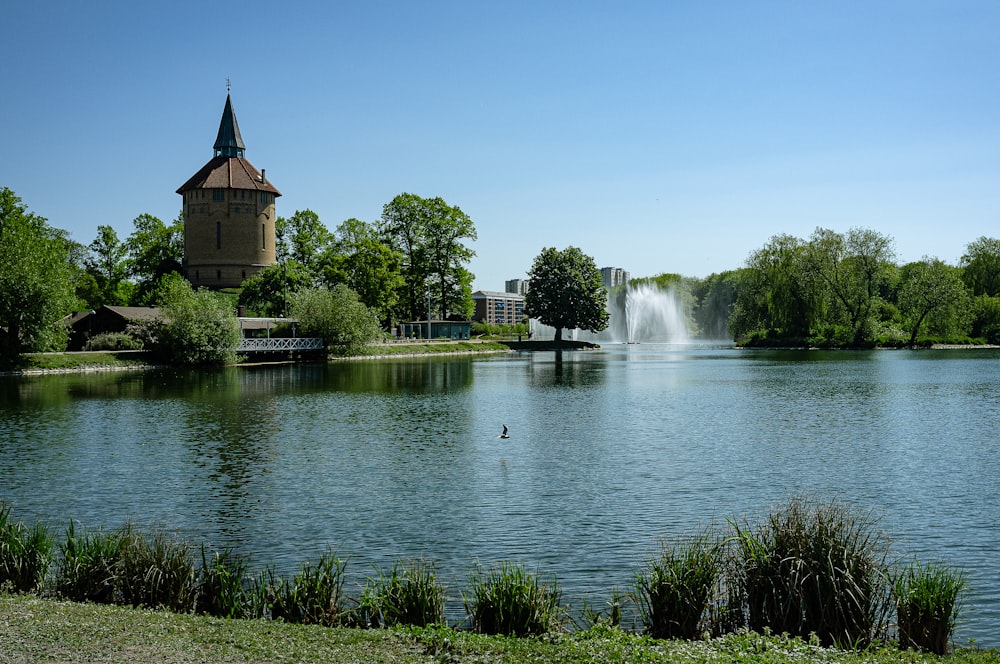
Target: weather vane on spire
<point x="227" y="85"/>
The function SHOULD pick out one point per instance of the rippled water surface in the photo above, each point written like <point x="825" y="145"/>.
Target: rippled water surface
<point x="610" y="451"/>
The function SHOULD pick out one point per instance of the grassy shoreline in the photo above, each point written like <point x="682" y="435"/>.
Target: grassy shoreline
<point x="35" y="630"/>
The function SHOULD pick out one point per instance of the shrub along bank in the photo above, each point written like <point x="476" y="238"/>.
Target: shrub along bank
<point x="818" y="572"/>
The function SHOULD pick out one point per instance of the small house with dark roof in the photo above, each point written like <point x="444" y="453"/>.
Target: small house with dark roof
<point x="228" y="214"/>
<point x="84" y="325"/>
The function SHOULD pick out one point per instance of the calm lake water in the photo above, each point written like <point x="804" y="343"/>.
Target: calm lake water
<point x="610" y="452"/>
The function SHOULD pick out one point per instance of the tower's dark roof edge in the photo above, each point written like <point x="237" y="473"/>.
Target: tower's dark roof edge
<point x="228" y="173"/>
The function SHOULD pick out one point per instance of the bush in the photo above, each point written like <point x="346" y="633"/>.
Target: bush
<point x="409" y="595"/>
<point x="337" y="316"/>
<point x="198" y="327"/>
<point x="25" y="553"/>
<point x="113" y="341"/>
<point x="314" y="596"/>
<point x="675" y="589"/>
<point x="927" y="605"/>
<point x="814" y="569"/>
<point x="509" y="600"/>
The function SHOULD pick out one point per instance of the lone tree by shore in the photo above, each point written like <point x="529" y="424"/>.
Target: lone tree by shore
<point x="566" y="291"/>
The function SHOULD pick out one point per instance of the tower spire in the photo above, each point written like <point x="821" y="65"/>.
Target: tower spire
<point x="229" y="143"/>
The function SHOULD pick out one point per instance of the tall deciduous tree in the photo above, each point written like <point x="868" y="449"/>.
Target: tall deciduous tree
<point x="566" y="291"/>
<point x="430" y="236"/>
<point x="154" y="250"/>
<point x="370" y="267"/>
<point x="854" y="268"/>
<point x="981" y="266"/>
<point x="107" y="262"/>
<point x="932" y="297"/>
<point x="302" y="238"/>
<point x="269" y="292"/>
<point x="775" y="293"/>
<point x="36" y="287"/>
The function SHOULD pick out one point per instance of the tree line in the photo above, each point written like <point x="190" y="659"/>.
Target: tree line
<point x="413" y="257"/>
<point x="830" y="290"/>
<point x="847" y="290"/>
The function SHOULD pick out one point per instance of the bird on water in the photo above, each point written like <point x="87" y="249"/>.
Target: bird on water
<point x="505" y="434"/>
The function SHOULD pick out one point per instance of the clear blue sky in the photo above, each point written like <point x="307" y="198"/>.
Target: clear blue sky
<point x="656" y="136"/>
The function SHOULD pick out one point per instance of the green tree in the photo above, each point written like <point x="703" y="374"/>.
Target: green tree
<point x="932" y="297"/>
<point x="198" y="327"/>
<point x="981" y="266"/>
<point x="447" y="255"/>
<point x="566" y="291"/>
<point x="268" y="292"/>
<point x="154" y="250"/>
<point x="854" y="270"/>
<point x="337" y="316"/>
<point x="775" y="295"/>
<point x="716" y="296"/>
<point x="36" y="285"/>
<point x="107" y="263"/>
<point x="302" y="238"/>
<point x="430" y="236"/>
<point x="370" y="267"/>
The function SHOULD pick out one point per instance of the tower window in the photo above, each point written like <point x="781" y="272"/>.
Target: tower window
<point x="218" y="194"/>
<point x="218" y="275"/>
<point x="218" y="235"/>
<point x="263" y="237"/>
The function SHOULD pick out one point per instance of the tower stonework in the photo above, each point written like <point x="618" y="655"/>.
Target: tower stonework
<point x="228" y="214"/>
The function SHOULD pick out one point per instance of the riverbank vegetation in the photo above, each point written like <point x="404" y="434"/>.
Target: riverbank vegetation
<point x="831" y="290"/>
<point x="817" y="572"/>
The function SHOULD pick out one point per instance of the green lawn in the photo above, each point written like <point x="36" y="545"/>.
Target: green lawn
<point x="40" y="630"/>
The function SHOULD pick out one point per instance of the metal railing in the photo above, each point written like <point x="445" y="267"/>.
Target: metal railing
<point x="279" y="344"/>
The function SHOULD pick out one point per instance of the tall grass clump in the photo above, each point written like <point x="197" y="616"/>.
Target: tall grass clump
<point x="227" y="590"/>
<point x="156" y="571"/>
<point x="814" y="568"/>
<point x="313" y="596"/>
<point x="25" y="553"/>
<point x="928" y="603"/>
<point x="675" y="589"/>
<point x="509" y="600"/>
<point x="407" y="595"/>
<point x="88" y="566"/>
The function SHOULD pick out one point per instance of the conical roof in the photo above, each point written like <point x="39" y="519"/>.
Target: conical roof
<point x="229" y="143"/>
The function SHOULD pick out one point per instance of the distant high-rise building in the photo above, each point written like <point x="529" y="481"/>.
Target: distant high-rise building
<point x="613" y="276"/>
<point x="519" y="286"/>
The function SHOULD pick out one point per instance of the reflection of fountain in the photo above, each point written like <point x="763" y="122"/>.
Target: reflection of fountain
<point x="638" y="313"/>
<point x="644" y="313"/>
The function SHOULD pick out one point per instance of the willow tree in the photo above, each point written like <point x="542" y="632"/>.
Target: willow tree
<point x="566" y="291"/>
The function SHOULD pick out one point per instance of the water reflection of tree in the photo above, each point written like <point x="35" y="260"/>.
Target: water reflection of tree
<point x="566" y="369"/>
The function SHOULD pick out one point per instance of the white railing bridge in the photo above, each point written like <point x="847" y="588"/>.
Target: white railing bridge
<point x="279" y="344"/>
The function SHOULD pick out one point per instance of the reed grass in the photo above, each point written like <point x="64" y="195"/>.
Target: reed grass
<point x="675" y="589"/>
<point x="507" y="599"/>
<point x="25" y="553"/>
<point x="814" y="569"/>
<point x="87" y="569"/>
<point x="313" y="596"/>
<point x="928" y="603"/>
<point x="156" y="571"/>
<point x="227" y="590"/>
<point x="408" y="595"/>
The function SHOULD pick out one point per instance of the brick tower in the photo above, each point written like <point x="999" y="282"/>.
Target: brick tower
<point x="228" y="214"/>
